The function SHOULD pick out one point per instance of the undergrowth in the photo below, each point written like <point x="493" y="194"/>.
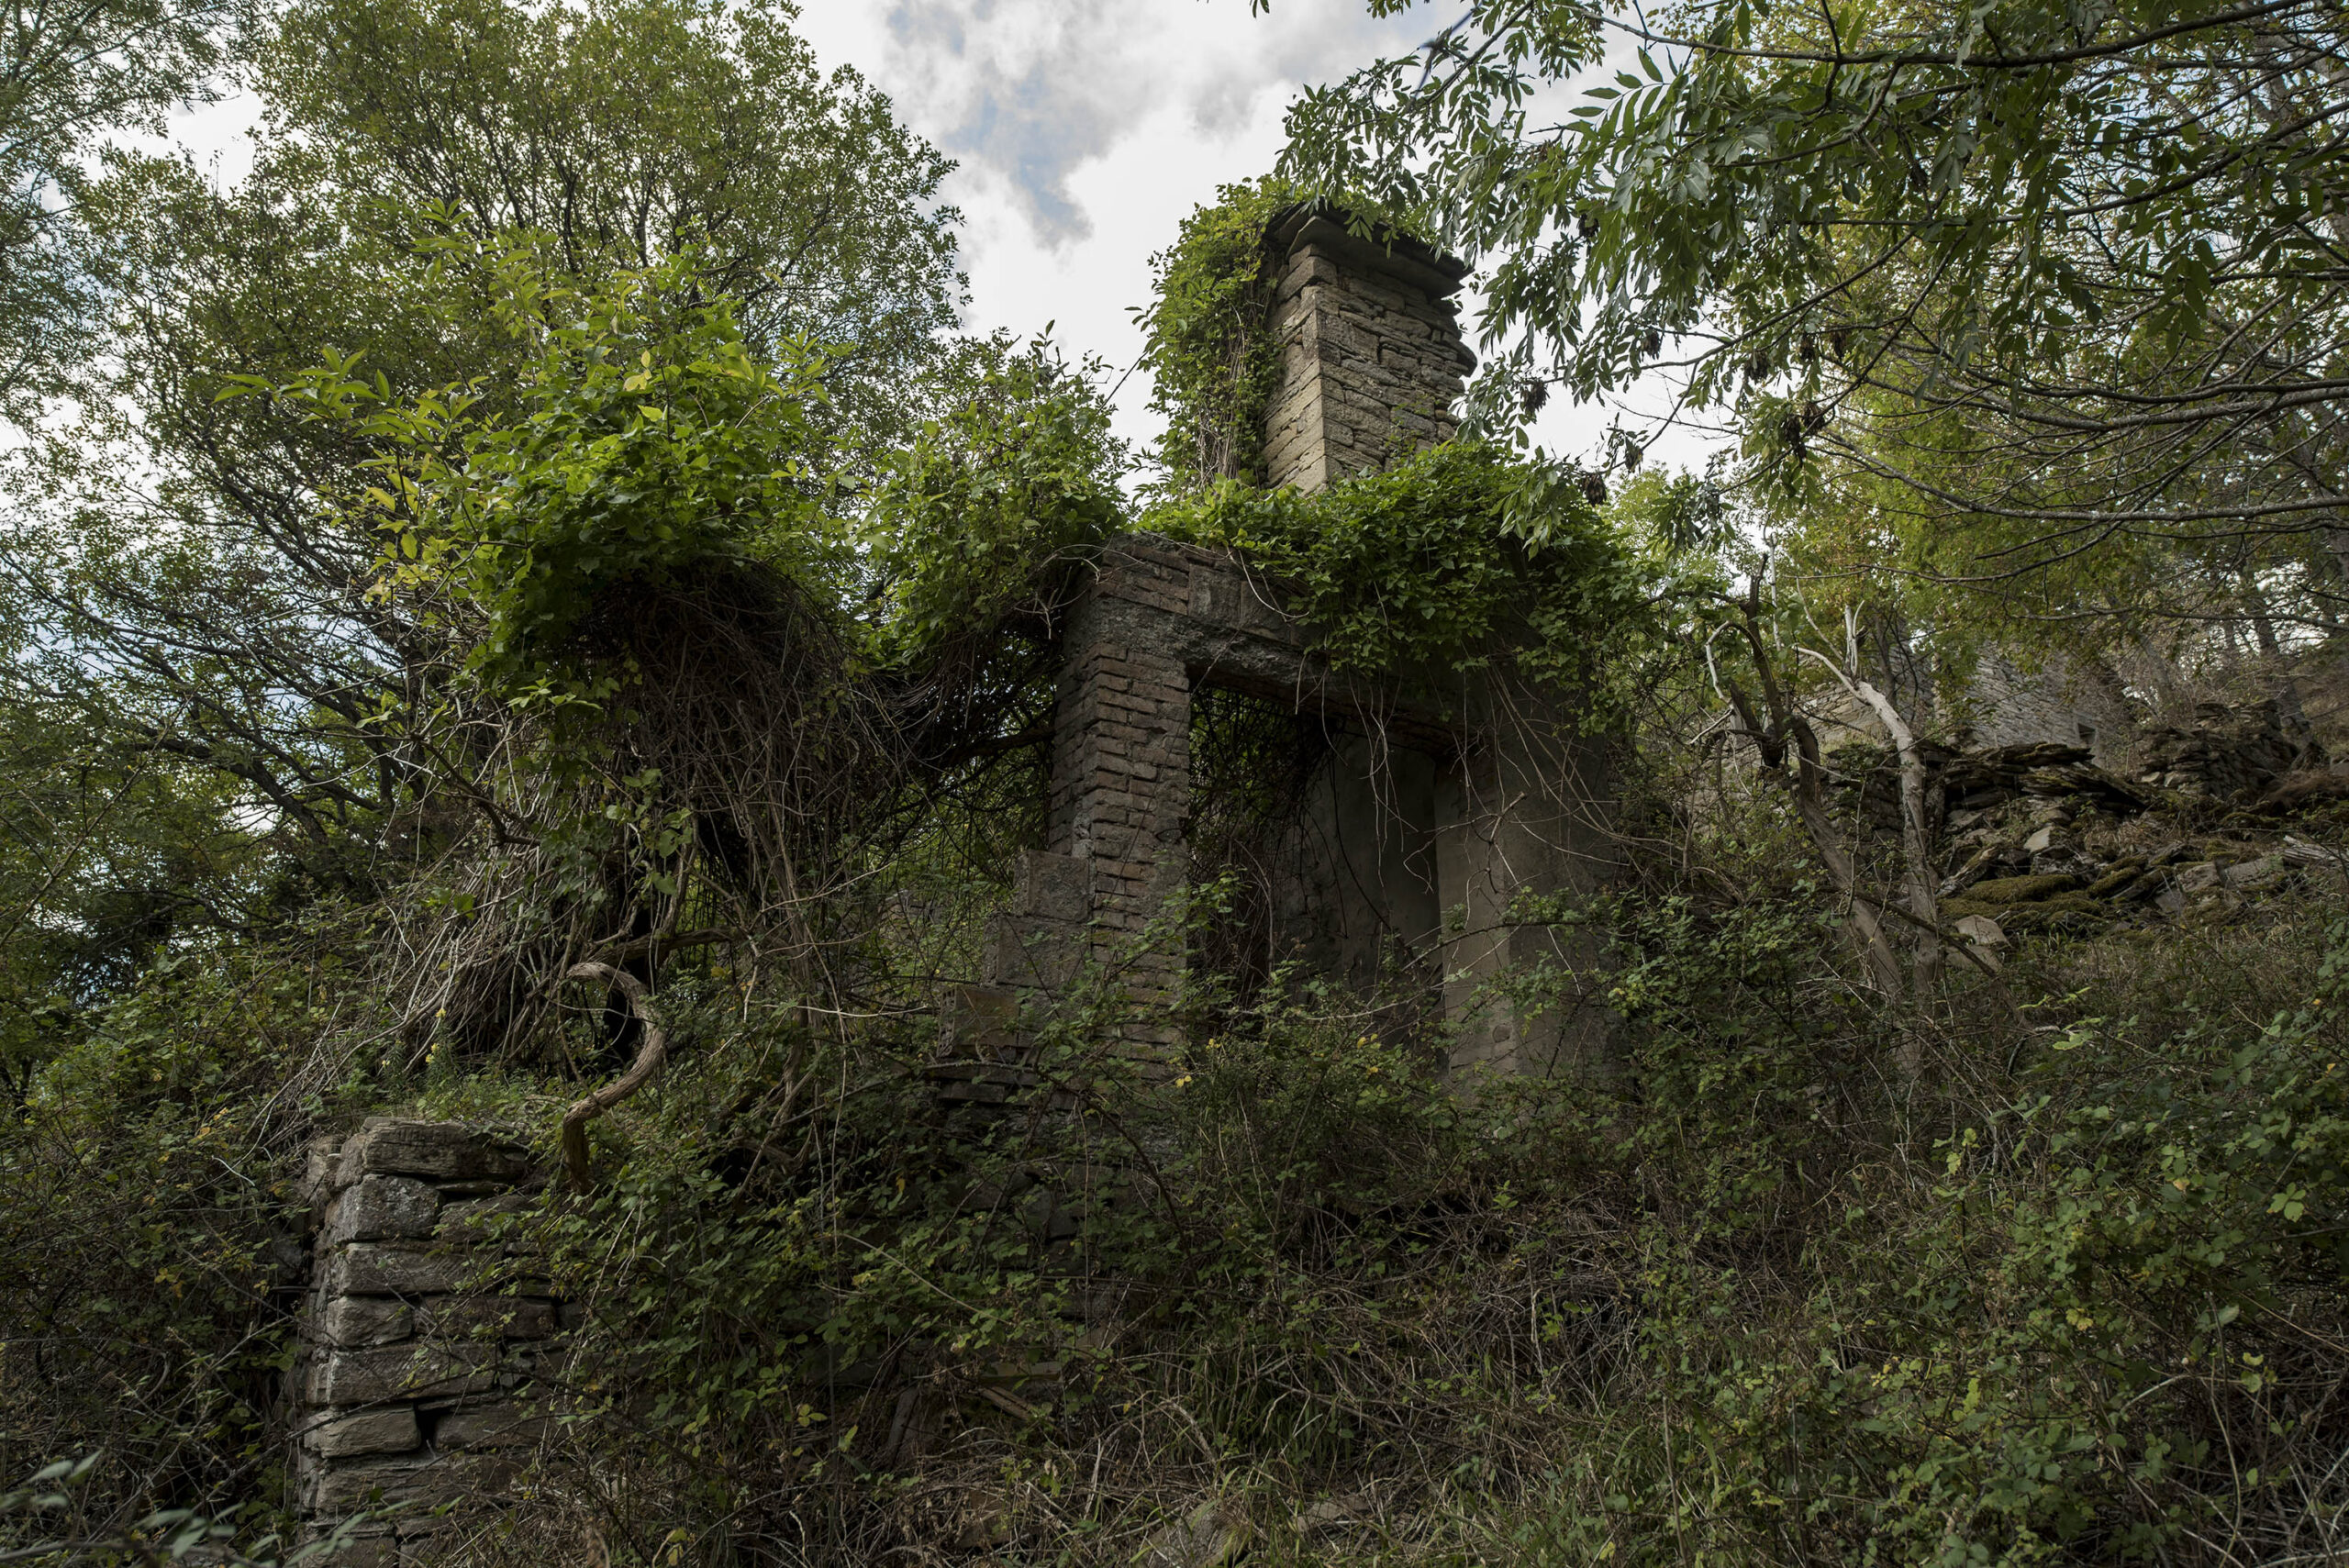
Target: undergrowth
<point x="1760" y="1294"/>
<point x="1764" y="1296"/>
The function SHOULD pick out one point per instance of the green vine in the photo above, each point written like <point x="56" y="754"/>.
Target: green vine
<point x="1453" y="560"/>
<point x="1208" y="340"/>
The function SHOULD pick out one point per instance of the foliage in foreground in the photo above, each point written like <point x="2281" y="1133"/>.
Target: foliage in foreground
<point x="2068" y="1292"/>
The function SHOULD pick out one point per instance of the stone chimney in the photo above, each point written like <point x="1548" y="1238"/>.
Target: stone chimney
<point x="1371" y="357"/>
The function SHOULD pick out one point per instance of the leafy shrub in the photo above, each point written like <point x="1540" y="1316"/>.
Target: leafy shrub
<point x="149" y="1250"/>
<point x="1420" y="569"/>
<point x="982" y="516"/>
<point x="645" y="441"/>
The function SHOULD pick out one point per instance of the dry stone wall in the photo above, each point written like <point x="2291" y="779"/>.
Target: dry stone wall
<point x="429" y="1336"/>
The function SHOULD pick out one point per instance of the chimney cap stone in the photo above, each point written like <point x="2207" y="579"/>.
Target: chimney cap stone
<point x="1327" y="226"/>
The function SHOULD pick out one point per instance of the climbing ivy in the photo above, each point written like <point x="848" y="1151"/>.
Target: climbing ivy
<point x="1437" y="564"/>
<point x="1209" y="343"/>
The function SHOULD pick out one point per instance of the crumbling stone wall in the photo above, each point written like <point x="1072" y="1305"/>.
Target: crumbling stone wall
<point x="2053" y="702"/>
<point x="425" y="1336"/>
<point x="1371" y="356"/>
<point x="2228" y="753"/>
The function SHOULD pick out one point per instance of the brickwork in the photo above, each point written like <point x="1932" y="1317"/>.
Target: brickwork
<point x="1417" y="810"/>
<point x="1157" y="619"/>
<point x="423" y="1335"/>
<point x="1371" y="357"/>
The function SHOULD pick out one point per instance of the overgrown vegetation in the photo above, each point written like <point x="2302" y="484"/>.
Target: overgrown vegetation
<point x="1214" y="360"/>
<point x="1443" y="565"/>
<point x="514" y="580"/>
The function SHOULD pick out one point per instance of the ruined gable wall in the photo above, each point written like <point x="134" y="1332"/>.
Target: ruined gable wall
<point x="2007" y="704"/>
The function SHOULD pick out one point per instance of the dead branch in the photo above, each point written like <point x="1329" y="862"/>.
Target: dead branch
<point x="1915" y="853"/>
<point x="648" y="1062"/>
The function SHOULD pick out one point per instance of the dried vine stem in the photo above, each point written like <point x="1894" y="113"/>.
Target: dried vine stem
<point x="648" y="1062"/>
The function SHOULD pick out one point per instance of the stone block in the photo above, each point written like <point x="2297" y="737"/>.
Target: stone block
<point x="374" y="1268"/>
<point x="436" y="1151"/>
<point x="370" y="1551"/>
<point x="1055" y="887"/>
<point x="383" y="1209"/>
<point x="2255" y="873"/>
<point x="981" y="1020"/>
<point x="502" y="1425"/>
<point x="474" y="1477"/>
<point x="421" y="1486"/>
<point x="1309" y="267"/>
<point x="489" y="1316"/>
<point x="475" y="1220"/>
<point x="392" y="1430"/>
<point x="321" y="1160"/>
<point x="354" y="1322"/>
<point x="2203" y="876"/>
<point x="332" y="1491"/>
<point x="400" y="1372"/>
<point x="1046" y="953"/>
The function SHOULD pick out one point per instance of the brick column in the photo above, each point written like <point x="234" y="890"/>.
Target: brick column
<point x="1371" y="356"/>
<point x="1121" y="786"/>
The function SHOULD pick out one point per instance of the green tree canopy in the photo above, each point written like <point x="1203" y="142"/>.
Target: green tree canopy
<point x="435" y="184"/>
<point x="2032" y="282"/>
<point x="68" y="75"/>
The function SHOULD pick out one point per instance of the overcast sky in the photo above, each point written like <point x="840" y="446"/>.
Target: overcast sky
<point x="1086" y="130"/>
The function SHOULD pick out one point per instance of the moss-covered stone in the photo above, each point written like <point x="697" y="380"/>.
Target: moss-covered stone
<point x="2004" y="890"/>
<point x="2116" y="879"/>
<point x="2066" y="912"/>
<point x="2071" y="910"/>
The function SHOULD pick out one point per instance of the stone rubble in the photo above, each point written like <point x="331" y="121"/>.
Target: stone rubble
<point x="2038" y="837"/>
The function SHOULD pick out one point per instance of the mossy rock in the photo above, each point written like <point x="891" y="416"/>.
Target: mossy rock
<point x="2064" y="912"/>
<point x="2069" y="910"/>
<point x="2112" y="882"/>
<point x="2005" y="890"/>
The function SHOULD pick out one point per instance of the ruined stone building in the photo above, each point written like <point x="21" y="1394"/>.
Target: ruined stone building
<point x="2002" y="701"/>
<point x="1423" y="821"/>
<point x="1420" y="821"/>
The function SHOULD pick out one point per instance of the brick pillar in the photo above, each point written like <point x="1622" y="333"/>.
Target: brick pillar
<point x="1371" y="354"/>
<point x="1122" y="786"/>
